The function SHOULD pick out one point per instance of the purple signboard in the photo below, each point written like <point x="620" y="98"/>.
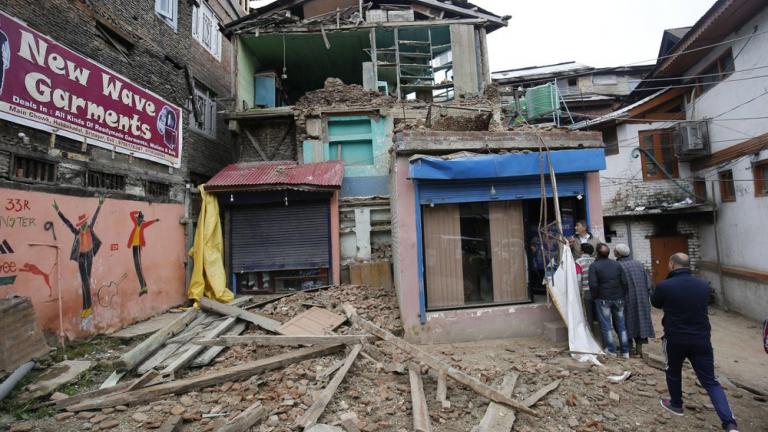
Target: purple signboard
<point x="47" y="86"/>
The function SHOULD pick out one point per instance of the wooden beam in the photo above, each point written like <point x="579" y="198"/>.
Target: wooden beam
<point x="256" y="145"/>
<point x="224" y="309"/>
<point x="194" y="350"/>
<point x="461" y="11"/>
<point x="160" y="391"/>
<point x="532" y="399"/>
<point x="246" y="419"/>
<point x="143" y="380"/>
<point x="442" y="390"/>
<point x="321" y="401"/>
<point x="171" y="424"/>
<point x="435" y="363"/>
<point x="499" y="418"/>
<point x="132" y="358"/>
<point x="266" y="340"/>
<point x="421" y="421"/>
<point x="737" y="272"/>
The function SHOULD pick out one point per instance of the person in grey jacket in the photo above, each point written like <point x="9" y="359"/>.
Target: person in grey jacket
<point x="638" y="302"/>
<point x="608" y="285"/>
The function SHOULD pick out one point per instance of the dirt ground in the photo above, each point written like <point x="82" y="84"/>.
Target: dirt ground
<point x="584" y="401"/>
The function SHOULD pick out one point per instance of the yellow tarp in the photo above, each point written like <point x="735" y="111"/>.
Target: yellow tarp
<point x="208" y="276"/>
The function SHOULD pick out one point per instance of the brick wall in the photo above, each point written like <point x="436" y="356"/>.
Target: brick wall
<point x="156" y="62"/>
<point x="275" y="137"/>
<point x="621" y="196"/>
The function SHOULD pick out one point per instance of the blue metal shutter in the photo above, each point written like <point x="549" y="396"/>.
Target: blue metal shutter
<point x="445" y="192"/>
<point x="278" y="237"/>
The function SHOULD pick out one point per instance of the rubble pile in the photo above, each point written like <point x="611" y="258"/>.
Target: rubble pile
<point x="461" y="122"/>
<point x="376" y="393"/>
<point x="337" y="94"/>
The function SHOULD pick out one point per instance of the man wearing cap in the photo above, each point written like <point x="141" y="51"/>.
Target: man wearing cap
<point x="84" y="247"/>
<point x="637" y="300"/>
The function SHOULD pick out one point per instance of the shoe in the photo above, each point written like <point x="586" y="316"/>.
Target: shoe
<point x="143" y="291"/>
<point x="731" y="428"/>
<point x="667" y="405"/>
<point x="625" y="355"/>
<point x="610" y="354"/>
<point x="86" y="313"/>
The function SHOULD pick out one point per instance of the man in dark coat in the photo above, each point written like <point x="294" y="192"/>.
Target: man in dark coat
<point x="684" y="299"/>
<point x="608" y="286"/>
<point x="85" y="246"/>
<point x="637" y="304"/>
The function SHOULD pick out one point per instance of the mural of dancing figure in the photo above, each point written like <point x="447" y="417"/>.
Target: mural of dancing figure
<point x="136" y="242"/>
<point x="84" y="247"/>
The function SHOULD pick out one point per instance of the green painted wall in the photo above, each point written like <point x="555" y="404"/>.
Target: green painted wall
<point x="246" y="68"/>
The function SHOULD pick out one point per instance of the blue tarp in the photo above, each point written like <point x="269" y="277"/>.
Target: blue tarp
<point x="506" y="165"/>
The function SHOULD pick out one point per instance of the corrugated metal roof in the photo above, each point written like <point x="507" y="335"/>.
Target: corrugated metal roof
<point x="278" y="174"/>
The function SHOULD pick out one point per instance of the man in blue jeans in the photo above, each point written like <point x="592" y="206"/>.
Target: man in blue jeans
<point x="608" y="286"/>
<point x="684" y="299"/>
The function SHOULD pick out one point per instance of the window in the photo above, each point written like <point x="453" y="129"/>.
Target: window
<point x="760" y="173"/>
<point x="474" y="254"/>
<point x="102" y="180"/>
<point x="34" y="169"/>
<point x="727" y="188"/>
<point x="350" y="139"/>
<point x="611" y="141"/>
<point x="157" y="190"/>
<point x="168" y="11"/>
<point x="700" y="189"/>
<point x="205" y="29"/>
<point x="205" y="101"/>
<point x="719" y="70"/>
<point x="572" y="82"/>
<point x="659" y="144"/>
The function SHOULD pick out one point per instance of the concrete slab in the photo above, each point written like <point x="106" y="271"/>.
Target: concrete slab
<point x="556" y="331"/>
<point x="56" y="376"/>
<point x="146" y="327"/>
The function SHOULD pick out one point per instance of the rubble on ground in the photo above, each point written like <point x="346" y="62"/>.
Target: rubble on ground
<point x="337" y="94"/>
<point x="375" y="395"/>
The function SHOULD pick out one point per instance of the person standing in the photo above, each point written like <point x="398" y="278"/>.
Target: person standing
<point x="608" y="286"/>
<point x="583" y="236"/>
<point x="583" y="263"/>
<point x="637" y="304"/>
<point x="136" y="242"/>
<point x="85" y="246"/>
<point x="684" y="299"/>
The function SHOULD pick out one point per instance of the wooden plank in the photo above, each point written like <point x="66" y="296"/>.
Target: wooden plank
<point x="437" y="364"/>
<point x="145" y="327"/>
<point x="172" y="345"/>
<point x="532" y="399"/>
<point x="264" y="322"/>
<point x="245" y="419"/>
<point x="316" y="321"/>
<point x="442" y="388"/>
<point x="267" y="340"/>
<point x="316" y="410"/>
<point x="132" y="358"/>
<point x="499" y="418"/>
<point x="195" y="350"/>
<point x="143" y="381"/>
<point x="72" y="400"/>
<point x="421" y="421"/>
<point x="268" y="301"/>
<point x="171" y="424"/>
<point x="329" y="370"/>
<point x="112" y="379"/>
<point x="160" y="391"/>
<point x="211" y="353"/>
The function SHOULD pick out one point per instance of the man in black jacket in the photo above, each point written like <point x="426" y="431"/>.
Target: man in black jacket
<point x="684" y="299"/>
<point x="609" y="286"/>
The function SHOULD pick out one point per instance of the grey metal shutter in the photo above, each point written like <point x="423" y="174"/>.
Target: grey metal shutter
<point x="278" y="237"/>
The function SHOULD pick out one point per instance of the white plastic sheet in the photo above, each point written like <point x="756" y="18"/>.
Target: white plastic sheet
<point x="565" y="293"/>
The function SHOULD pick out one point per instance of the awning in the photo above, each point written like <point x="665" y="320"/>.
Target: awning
<point x="475" y="167"/>
<point x="277" y="175"/>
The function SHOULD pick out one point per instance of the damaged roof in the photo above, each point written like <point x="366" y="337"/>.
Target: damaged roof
<point x="288" y="13"/>
<point x="277" y="175"/>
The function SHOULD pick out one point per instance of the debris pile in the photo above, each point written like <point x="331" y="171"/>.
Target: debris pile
<point x="330" y="359"/>
<point x="337" y="94"/>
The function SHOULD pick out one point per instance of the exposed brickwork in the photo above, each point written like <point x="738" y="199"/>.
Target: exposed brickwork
<point x="621" y="196"/>
<point x="156" y="63"/>
<point x="276" y="138"/>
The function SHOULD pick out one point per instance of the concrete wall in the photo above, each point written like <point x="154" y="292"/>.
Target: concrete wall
<point x="33" y="229"/>
<point x="741" y="238"/>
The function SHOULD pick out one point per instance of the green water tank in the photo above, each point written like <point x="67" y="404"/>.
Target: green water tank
<point x="541" y="100"/>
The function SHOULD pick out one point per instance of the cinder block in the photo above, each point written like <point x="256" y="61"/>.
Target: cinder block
<point x="556" y="331"/>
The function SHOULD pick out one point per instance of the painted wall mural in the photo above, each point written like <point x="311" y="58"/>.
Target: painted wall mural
<point x="56" y="248"/>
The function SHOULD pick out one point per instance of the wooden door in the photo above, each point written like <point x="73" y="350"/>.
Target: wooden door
<point x="443" y="266"/>
<point x="508" y="251"/>
<point x="661" y="249"/>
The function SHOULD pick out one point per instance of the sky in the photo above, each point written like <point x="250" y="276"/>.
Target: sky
<point x="598" y="33"/>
